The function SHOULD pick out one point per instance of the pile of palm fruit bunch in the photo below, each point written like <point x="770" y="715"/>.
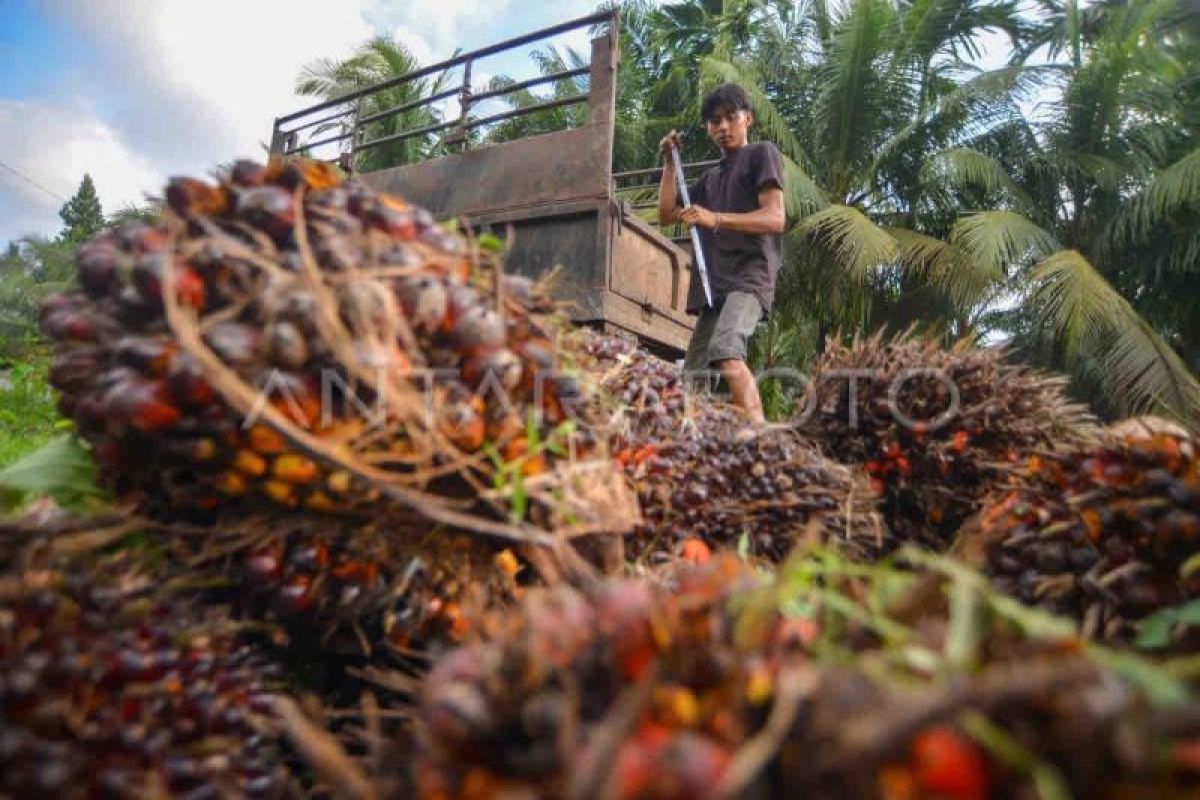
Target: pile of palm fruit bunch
<point x="112" y="688"/>
<point x="699" y="687"/>
<point x="286" y="339"/>
<point x="933" y="427"/>
<point x="702" y="482"/>
<point x="1106" y="534"/>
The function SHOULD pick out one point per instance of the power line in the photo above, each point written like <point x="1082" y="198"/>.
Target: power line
<point x="33" y="183"/>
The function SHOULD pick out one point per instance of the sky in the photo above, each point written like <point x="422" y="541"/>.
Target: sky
<point x="134" y="91"/>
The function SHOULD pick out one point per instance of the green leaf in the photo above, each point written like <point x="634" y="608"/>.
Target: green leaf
<point x="62" y="469"/>
<point x="1158" y="684"/>
<point x="490" y="243"/>
<point x="967" y="624"/>
<point x="1155" y="631"/>
<point x="1141" y="370"/>
<point x="1005" y="748"/>
<point x="859" y="245"/>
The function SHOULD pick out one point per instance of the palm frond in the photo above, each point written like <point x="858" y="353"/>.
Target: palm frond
<point x="999" y="86"/>
<point x="997" y="240"/>
<point x="1142" y="371"/>
<point x="962" y="167"/>
<point x="858" y="244"/>
<point x="801" y="194"/>
<point x="964" y="281"/>
<point x="1172" y="189"/>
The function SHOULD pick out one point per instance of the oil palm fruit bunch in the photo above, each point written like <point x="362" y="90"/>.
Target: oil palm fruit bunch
<point x="285" y="338"/>
<point x="1106" y="534"/>
<point x="109" y="691"/>
<point x="356" y="591"/>
<point x="934" y="428"/>
<point x="636" y="688"/>
<point x="701" y="477"/>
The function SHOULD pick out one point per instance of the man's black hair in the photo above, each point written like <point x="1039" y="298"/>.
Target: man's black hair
<point x="726" y="97"/>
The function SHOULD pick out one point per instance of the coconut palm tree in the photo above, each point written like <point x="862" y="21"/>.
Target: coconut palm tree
<point x="1097" y="232"/>
<point x="374" y="62"/>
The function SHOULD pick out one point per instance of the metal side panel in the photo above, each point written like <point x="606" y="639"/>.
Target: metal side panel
<point x="554" y="168"/>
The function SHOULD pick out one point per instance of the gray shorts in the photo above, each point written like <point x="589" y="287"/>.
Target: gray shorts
<point x="723" y="332"/>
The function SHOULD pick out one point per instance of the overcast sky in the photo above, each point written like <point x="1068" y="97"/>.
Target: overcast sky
<point x="135" y="90"/>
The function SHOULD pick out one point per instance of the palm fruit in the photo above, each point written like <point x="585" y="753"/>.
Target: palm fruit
<point x="520" y="713"/>
<point x="1106" y="534"/>
<point x="934" y="428"/>
<point x="354" y="590"/>
<point x="287" y="339"/>
<point x="106" y="691"/>
<point x="702" y="478"/>
<point x="697" y="687"/>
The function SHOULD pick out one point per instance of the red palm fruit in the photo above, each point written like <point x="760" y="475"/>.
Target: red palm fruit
<point x="265" y="440"/>
<point x="297" y="595"/>
<point x="315" y="175"/>
<point x="500" y="367"/>
<point x="246" y="174"/>
<point x="460" y="419"/>
<point x="269" y="208"/>
<point x="537" y="358"/>
<point x="399" y="224"/>
<point x="72" y="325"/>
<point x="623" y="614"/>
<point x="141" y="238"/>
<point x="186" y="381"/>
<point x="145" y="404"/>
<point x="188" y="197"/>
<point x="948" y="765"/>
<point x="148" y="355"/>
<point x="237" y="344"/>
<point x="75" y="369"/>
<point x="424" y="301"/>
<point x="477" y="330"/>
<point x="98" y="264"/>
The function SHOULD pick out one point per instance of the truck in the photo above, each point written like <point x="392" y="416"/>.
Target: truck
<point x="554" y="196"/>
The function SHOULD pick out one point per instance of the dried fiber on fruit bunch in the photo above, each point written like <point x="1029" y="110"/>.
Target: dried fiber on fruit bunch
<point x="109" y="691"/>
<point x="1106" y="534"/>
<point x="703" y="476"/>
<point x="934" y="428"/>
<point x="628" y="691"/>
<point x="286" y="339"/>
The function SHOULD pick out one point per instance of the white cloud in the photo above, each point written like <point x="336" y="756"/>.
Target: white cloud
<point x="68" y="143"/>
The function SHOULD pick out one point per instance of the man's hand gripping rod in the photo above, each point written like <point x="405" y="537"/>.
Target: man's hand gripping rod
<point x="681" y="187"/>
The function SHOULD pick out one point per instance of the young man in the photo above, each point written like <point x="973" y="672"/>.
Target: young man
<point x="738" y="204"/>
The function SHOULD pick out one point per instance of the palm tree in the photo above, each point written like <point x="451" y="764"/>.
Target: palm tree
<point x="548" y="61"/>
<point x="33" y="268"/>
<point x="890" y="132"/>
<point x="378" y="60"/>
<point x="1098" y="235"/>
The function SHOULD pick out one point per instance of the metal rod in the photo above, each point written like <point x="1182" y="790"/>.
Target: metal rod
<point x="399" y="137"/>
<point x="306" y="145"/>
<point x="520" y="112"/>
<point x="433" y="98"/>
<point x="697" y="249"/>
<point x="516" y="87"/>
<point x="508" y="44"/>
<point x="320" y="121"/>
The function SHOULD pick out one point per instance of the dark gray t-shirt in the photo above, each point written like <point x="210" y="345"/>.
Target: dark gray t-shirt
<point x="738" y="261"/>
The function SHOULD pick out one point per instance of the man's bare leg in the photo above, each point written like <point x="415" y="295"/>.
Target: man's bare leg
<point x="742" y="387"/>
